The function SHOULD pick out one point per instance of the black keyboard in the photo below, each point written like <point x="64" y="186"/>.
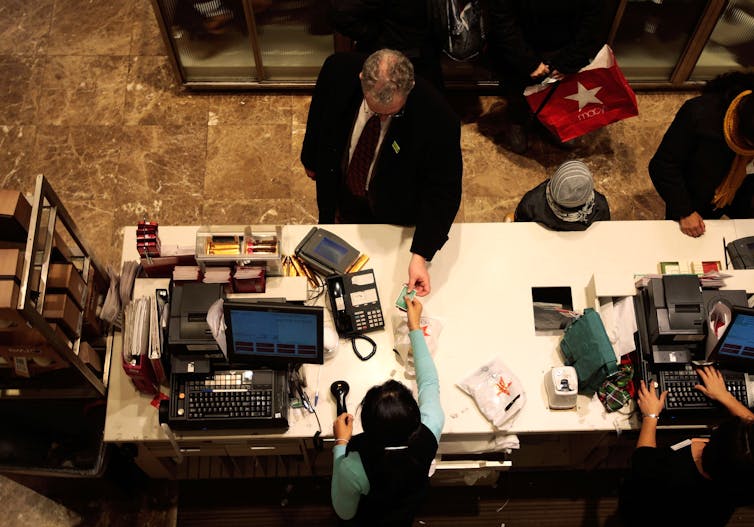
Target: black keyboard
<point x="228" y="394"/>
<point x="681" y="392"/>
<point x="228" y="399"/>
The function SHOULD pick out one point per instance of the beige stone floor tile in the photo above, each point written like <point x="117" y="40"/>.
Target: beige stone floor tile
<point x="154" y="97"/>
<point x="95" y="27"/>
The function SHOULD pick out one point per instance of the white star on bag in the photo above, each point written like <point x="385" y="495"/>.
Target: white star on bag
<point x="584" y="96"/>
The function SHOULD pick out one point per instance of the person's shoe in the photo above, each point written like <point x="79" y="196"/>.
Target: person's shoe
<point x="518" y="139"/>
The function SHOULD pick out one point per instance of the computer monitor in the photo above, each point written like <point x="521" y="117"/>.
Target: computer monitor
<point x="273" y="335"/>
<point x="735" y="349"/>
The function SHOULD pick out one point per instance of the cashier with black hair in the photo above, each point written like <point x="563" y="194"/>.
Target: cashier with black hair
<point x="380" y="477"/>
<point x="698" y="481"/>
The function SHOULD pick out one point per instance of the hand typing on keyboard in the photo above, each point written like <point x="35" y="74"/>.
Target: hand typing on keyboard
<point x="714" y="384"/>
<point x="649" y="403"/>
<point x="716" y="389"/>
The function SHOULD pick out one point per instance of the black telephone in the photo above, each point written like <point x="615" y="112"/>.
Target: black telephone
<point x="355" y="303"/>
<point x="741" y="253"/>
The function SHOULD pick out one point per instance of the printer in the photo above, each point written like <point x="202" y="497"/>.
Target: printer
<point x="675" y="318"/>
<point x="189" y="335"/>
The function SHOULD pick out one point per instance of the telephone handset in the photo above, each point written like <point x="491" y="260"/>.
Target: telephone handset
<point x="355" y="303"/>
<point x="741" y="253"/>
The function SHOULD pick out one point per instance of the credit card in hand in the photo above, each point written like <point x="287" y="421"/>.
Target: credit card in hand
<point x="400" y="302"/>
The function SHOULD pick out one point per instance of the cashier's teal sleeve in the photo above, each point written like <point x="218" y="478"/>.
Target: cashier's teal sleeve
<point x="432" y="415"/>
<point x="349" y="482"/>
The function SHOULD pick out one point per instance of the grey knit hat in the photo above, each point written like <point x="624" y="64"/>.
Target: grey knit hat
<point x="570" y="191"/>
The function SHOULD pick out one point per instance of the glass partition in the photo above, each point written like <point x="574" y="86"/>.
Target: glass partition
<point x="247" y="41"/>
<point x="295" y="37"/>
<point x="653" y="35"/>
<point x="731" y="45"/>
<point x="210" y="39"/>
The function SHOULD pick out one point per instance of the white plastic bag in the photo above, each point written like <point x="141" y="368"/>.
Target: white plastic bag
<point x="497" y="392"/>
<point x="431" y="327"/>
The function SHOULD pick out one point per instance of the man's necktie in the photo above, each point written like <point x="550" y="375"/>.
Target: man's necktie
<point x="363" y="154"/>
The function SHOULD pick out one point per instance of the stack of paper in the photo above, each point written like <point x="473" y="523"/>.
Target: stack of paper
<point x="155" y="339"/>
<point x="216" y="275"/>
<point x="136" y="330"/>
<point x="128" y="274"/>
<point x="186" y="273"/>
<point x="249" y="273"/>
<point x="713" y="280"/>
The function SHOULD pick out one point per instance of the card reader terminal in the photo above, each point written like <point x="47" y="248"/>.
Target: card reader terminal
<point x="325" y="252"/>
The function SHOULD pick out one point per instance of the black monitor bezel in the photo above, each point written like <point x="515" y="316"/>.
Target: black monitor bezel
<point x="277" y="307"/>
<point x="725" y="362"/>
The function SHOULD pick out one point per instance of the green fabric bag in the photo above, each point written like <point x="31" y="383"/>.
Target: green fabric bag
<point x="587" y="348"/>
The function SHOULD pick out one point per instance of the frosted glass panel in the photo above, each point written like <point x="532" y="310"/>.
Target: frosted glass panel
<point x="731" y="45"/>
<point x="653" y="34"/>
<point x="211" y="39"/>
<point x="295" y="38"/>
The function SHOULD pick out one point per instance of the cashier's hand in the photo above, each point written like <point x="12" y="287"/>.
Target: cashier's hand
<point x="311" y="174"/>
<point x="714" y="383"/>
<point x="692" y="225"/>
<point x="418" y="276"/>
<point x="343" y="427"/>
<point x="649" y="403"/>
<point x="413" y="312"/>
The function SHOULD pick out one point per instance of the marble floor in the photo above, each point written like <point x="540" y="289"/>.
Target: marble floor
<point x="88" y="99"/>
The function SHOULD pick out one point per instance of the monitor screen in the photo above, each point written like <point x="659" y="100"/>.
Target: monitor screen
<point x="735" y="349"/>
<point x="273" y="334"/>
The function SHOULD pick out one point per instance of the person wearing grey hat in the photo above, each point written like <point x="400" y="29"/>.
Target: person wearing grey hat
<point x="565" y="202"/>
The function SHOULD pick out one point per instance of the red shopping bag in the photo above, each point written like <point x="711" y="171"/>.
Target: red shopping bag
<point x="595" y="96"/>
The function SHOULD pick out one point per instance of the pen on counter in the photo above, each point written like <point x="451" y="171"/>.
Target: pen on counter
<point x="725" y="252"/>
<point x="508" y="406"/>
<point x="316" y="391"/>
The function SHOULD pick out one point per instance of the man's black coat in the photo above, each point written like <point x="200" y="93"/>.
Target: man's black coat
<point x="417" y="174"/>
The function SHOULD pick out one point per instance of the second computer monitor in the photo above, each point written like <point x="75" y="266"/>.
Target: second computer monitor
<point x="735" y="349"/>
<point x="273" y="335"/>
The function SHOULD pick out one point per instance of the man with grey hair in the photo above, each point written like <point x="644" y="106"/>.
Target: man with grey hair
<point x="384" y="147"/>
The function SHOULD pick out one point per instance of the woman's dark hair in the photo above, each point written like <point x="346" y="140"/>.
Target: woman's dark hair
<point x="727" y="457"/>
<point x="731" y="84"/>
<point x="390" y="417"/>
<point x="389" y="414"/>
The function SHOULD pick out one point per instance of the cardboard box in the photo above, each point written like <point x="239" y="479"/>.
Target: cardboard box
<point x="60" y="333"/>
<point x="90" y="357"/>
<point x="15" y="215"/>
<point x="61" y="252"/>
<point x="92" y="325"/>
<point x="66" y="278"/>
<point x="11" y="264"/>
<point x="10" y="317"/>
<point x="29" y="353"/>
<point x="60" y="308"/>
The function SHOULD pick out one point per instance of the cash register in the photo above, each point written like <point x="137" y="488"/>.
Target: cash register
<point x="671" y="316"/>
<point x="266" y="341"/>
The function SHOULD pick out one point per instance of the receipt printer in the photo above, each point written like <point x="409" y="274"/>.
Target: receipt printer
<point x="562" y="387"/>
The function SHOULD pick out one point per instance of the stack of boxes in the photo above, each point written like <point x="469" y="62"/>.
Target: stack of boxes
<point x="69" y="308"/>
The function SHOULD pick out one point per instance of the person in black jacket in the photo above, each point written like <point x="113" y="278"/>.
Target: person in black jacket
<point x="415" y="176"/>
<point x="530" y="40"/>
<point x="565" y="202"/>
<point x="699" y="169"/>
<point x="403" y="25"/>
<point x="699" y="481"/>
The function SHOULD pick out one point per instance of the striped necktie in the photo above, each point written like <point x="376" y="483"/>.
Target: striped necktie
<point x="363" y="154"/>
